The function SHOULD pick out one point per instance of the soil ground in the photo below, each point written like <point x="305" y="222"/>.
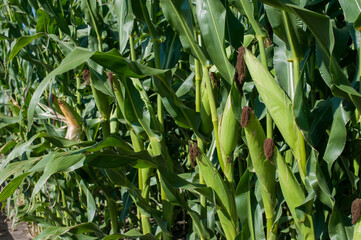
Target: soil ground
<point x="6" y="233"/>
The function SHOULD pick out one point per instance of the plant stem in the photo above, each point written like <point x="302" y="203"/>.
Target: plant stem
<point x="198" y="80"/>
<point x="214" y="114"/>
<point x="143" y="178"/>
<point x="296" y="77"/>
<point x="95" y="27"/>
<point x="312" y="78"/>
<point x="78" y="94"/>
<point x="63" y="199"/>
<point x="262" y="51"/>
<point x="156" y="146"/>
<point x="132" y="49"/>
<point x="113" y="214"/>
<point x="200" y="142"/>
<point x="301" y="140"/>
<point x="155" y="39"/>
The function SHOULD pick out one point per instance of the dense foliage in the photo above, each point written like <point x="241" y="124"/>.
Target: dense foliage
<point x="180" y="119"/>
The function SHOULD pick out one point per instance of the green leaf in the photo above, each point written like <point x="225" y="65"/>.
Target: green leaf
<point x="59" y="162"/>
<point x="133" y="233"/>
<point x="357" y="23"/>
<point x="321" y="27"/>
<point x="170" y="49"/>
<point x="45" y="23"/>
<point x="234" y="29"/>
<point x="300" y="110"/>
<point x="281" y="64"/>
<point x="338" y="227"/>
<point x="115" y="62"/>
<point x="318" y="181"/>
<point x="212" y="178"/>
<point x="16" y="168"/>
<point x="247" y="7"/>
<point x="139" y="105"/>
<point x="337" y="138"/>
<point x="211" y="16"/>
<point x="3" y="37"/>
<point x="55" y="13"/>
<point x="6" y="120"/>
<point x="91" y="10"/>
<point x="90" y="202"/>
<point x="22" y="42"/>
<point x="77" y="57"/>
<point x="351" y="9"/>
<point x="174" y="197"/>
<point x="53" y="232"/>
<point x="243" y="201"/>
<point x="7" y="146"/>
<point x="112" y="141"/>
<point x="109" y="159"/>
<point x="119" y="179"/>
<point x="111" y="60"/>
<point x="179" y="16"/>
<point x="123" y="11"/>
<point x="11" y="187"/>
<point x="294" y="197"/>
<point x="183" y="115"/>
<point x="289" y="29"/>
<point x="20" y="148"/>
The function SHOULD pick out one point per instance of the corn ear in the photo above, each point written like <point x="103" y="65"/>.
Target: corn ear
<point x="265" y="170"/>
<point x="278" y="105"/>
<point x="73" y="121"/>
<point x="229" y="129"/>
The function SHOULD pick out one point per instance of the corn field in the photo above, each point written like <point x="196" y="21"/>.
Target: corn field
<point x="181" y="119"/>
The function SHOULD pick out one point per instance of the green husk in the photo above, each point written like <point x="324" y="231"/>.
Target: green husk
<point x="265" y="170"/>
<point x="279" y="106"/>
<point x="229" y="130"/>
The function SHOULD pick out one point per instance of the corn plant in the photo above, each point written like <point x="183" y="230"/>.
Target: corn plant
<point x="180" y="119"/>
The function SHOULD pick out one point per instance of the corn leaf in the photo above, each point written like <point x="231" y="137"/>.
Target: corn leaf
<point x="211" y="16"/>
<point x="124" y="13"/>
<point x="178" y="14"/>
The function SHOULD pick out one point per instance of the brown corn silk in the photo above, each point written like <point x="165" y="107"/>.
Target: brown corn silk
<point x="355" y="210"/>
<point x="246" y="114"/>
<point x="268" y="148"/>
<point x="240" y="70"/>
